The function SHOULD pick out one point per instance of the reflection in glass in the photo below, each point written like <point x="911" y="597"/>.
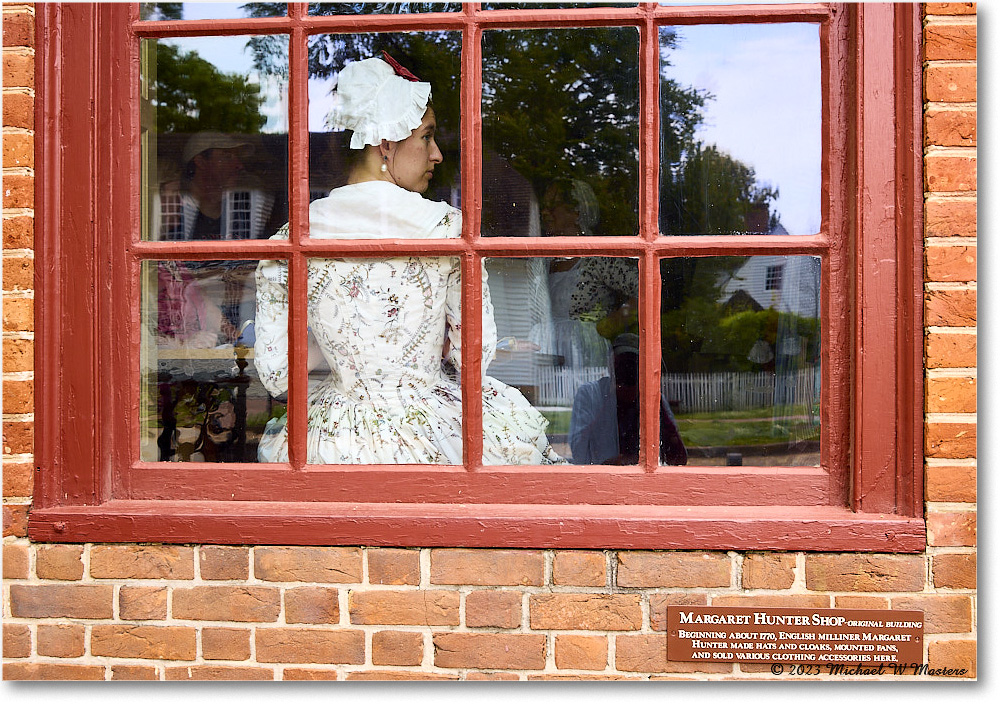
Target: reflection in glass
<point x="740" y="139"/>
<point x="201" y="396"/>
<point x="741" y="357"/>
<point x="568" y="339"/>
<point x="214" y="138"/>
<point x="209" y="10"/>
<point x="434" y="57"/>
<point x="381" y="8"/>
<point x="560" y="127"/>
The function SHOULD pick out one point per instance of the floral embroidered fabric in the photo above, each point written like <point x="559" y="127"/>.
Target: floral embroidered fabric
<point x="392" y="395"/>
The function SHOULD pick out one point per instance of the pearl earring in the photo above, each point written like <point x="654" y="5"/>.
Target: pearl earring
<point x="385" y="167"/>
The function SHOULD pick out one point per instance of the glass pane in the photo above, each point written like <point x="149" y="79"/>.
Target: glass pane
<point x="741" y="141"/>
<point x="551" y="5"/>
<point x="214" y="137"/>
<point x="202" y="399"/>
<point x="381" y="8"/>
<point x="741" y="355"/>
<point x="210" y="10"/>
<point x="566" y="341"/>
<point x="560" y="132"/>
<point x="434" y="57"/>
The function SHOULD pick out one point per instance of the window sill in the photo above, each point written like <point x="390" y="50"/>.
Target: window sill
<point x="482" y="525"/>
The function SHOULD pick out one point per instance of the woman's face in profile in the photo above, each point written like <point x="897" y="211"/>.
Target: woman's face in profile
<point x="412" y="162"/>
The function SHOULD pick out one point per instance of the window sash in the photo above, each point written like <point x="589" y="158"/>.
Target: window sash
<point x="105" y="474"/>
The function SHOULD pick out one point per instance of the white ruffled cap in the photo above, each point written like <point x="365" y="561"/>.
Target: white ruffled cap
<point x="376" y="104"/>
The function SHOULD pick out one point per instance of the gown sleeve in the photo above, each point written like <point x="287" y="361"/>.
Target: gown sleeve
<point x="271" y="324"/>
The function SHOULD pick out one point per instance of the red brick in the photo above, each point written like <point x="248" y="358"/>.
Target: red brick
<point x="225" y="643"/>
<point x="950" y="83"/>
<point x="60" y="641"/>
<point x="236" y="603"/>
<point x="494" y="651"/>
<point x="141" y="562"/>
<point x="18" y="29"/>
<point x="18" y="275"/>
<point x="949" y="173"/>
<point x="950" y="8"/>
<point x="18" y="230"/>
<point x="18" y="355"/>
<point x="18" y="314"/>
<point x="588" y="612"/>
<point x="16" y="640"/>
<point x="142" y="603"/>
<point x="951" y="394"/>
<point x="951" y="263"/>
<point x="218" y="672"/>
<point x="648" y="653"/>
<point x="393" y="675"/>
<point x="583" y="677"/>
<point x="312" y="605"/>
<point x="310" y="646"/>
<point x="574" y="652"/>
<point x="308" y="674"/>
<point x="393" y="566"/>
<point x="950" y="42"/>
<point x="18" y="396"/>
<point x="397" y="648"/>
<point x="149" y="642"/>
<point x="487" y="567"/>
<point x="949" y="217"/>
<point x="413" y="608"/>
<point x="954" y="570"/>
<point x="61" y="600"/>
<point x="673" y="569"/>
<point x="308" y="564"/>
<point x="943" y="613"/>
<point x="59" y="562"/>
<point x="18" y="152"/>
<point x="18" y="437"/>
<point x="658" y="604"/>
<point x="224" y="562"/>
<point x="134" y="673"/>
<point x="15" y="520"/>
<point x="491" y="676"/>
<point x="16" y="560"/>
<point x="951" y="528"/>
<point x="579" y="568"/>
<point x="773" y="570"/>
<point x="18" y="191"/>
<point x="18" y="70"/>
<point x="860" y="602"/>
<point x="956" y="307"/>
<point x="493" y="609"/>
<point x="865" y="573"/>
<point x="948" y="349"/>
<point x="951" y="654"/>
<point x="782" y="601"/>
<point x="950" y="440"/>
<point x="950" y="128"/>
<point x="52" y="671"/>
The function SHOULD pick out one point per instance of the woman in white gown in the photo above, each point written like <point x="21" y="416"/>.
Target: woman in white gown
<point x="390" y="329"/>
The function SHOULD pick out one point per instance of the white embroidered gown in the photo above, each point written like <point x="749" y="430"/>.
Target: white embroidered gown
<point x="381" y="324"/>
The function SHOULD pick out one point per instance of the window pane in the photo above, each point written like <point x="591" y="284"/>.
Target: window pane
<point x="202" y="399"/>
<point x="209" y="10"/>
<point x="741" y="142"/>
<point x="550" y="5"/>
<point x="567" y="341"/>
<point x="434" y="57"/>
<point x="214" y="137"/>
<point x="741" y="354"/>
<point x="560" y="126"/>
<point x="381" y="8"/>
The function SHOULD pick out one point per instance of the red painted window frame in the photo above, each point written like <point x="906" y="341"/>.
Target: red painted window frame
<point x="91" y="486"/>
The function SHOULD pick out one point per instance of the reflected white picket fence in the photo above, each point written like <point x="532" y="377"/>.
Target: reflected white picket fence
<point x="696" y="393"/>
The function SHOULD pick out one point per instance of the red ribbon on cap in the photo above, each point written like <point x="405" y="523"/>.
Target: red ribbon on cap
<point x="400" y="70"/>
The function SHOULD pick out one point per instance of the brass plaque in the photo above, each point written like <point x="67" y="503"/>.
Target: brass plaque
<point x="794" y="636"/>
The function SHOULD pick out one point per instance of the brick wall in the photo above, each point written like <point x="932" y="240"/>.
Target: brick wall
<point x="269" y="612"/>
